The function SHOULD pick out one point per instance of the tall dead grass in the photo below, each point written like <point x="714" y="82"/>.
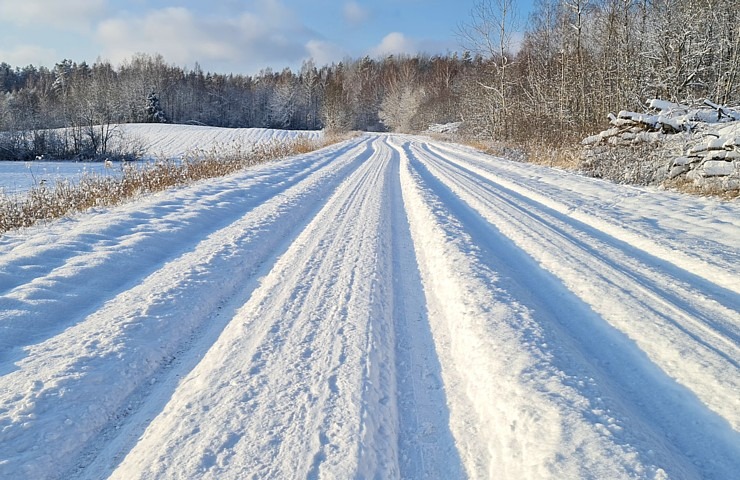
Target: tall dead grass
<point x="46" y="202"/>
<point x="565" y="156"/>
<point x="686" y="185"/>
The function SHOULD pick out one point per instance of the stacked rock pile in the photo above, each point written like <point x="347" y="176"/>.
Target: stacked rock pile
<point x="702" y="143"/>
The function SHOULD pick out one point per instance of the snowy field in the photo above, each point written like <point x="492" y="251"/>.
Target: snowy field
<point x="18" y="177"/>
<point x="157" y="141"/>
<point x="390" y="307"/>
<point x="175" y="141"/>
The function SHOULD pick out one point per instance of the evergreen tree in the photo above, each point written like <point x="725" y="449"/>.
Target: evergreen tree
<point x="154" y="112"/>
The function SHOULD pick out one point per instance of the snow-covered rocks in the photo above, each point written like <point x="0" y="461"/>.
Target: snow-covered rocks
<point x="444" y="127"/>
<point x="717" y="168"/>
<point x="701" y="143"/>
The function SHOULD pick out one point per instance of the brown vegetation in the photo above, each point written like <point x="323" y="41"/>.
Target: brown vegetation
<point x="685" y="185"/>
<point x="46" y="202"/>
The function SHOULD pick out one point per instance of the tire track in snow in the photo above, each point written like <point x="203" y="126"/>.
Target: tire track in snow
<point x="645" y="410"/>
<point x="704" y="260"/>
<point x="118" y="243"/>
<point x="717" y="282"/>
<point x="370" y="316"/>
<point x="138" y="331"/>
<point x="679" y="327"/>
<point x="474" y="328"/>
<point x="299" y="384"/>
<point x="426" y="444"/>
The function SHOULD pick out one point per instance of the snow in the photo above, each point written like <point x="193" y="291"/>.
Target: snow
<point x="17" y="177"/>
<point x="452" y="127"/>
<point x="390" y="307"/>
<point x="163" y="140"/>
<point x="713" y="168"/>
<point x="699" y="142"/>
<point x="157" y="141"/>
<point x="667" y="108"/>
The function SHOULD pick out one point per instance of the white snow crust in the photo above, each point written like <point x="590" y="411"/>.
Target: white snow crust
<point x="389" y="307"/>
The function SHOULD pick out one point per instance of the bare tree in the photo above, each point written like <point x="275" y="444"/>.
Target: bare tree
<point x="490" y="33"/>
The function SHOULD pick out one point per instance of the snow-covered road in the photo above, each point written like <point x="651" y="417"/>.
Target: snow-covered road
<point x="390" y="307"/>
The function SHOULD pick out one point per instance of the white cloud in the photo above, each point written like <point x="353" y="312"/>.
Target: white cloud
<point x="173" y="32"/>
<point x="63" y="14"/>
<point x="248" y="40"/>
<point x="29" y="55"/>
<point x="393" y="44"/>
<point x="354" y="13"/>
<point x="324" y="53"/>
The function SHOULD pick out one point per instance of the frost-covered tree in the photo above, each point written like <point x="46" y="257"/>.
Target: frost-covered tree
<point x="153" y="109"/>
<point x="576" y="61"/>
<point x="283" y="101"/>
<point x="335" y="112"/>
<point x="364" y="92"/>
<point x="400" y="107"/>
<point x="309" y="96"/>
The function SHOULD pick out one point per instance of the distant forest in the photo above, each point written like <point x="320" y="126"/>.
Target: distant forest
<point x="577" y="61"/>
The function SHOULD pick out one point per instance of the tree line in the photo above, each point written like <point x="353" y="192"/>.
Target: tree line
<point x="579" y="60"/>
<point x="344" y="95"/>
<point x="576" y="61"/>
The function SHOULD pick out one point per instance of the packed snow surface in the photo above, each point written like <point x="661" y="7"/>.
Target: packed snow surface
<point x="389" y="307"/>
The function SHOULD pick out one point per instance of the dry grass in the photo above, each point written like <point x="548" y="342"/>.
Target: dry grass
<point x="47" y="202"/>
<point x="565" y="156"/>
<point x="479" y="145"/>
<point x="506" y="150"/>
<point x="686" y="185"/>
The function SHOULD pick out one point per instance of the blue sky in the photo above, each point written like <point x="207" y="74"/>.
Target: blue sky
<point x="239" y="36"/>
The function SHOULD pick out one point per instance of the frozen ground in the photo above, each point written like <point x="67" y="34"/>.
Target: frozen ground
<point x="391" y="307"/>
